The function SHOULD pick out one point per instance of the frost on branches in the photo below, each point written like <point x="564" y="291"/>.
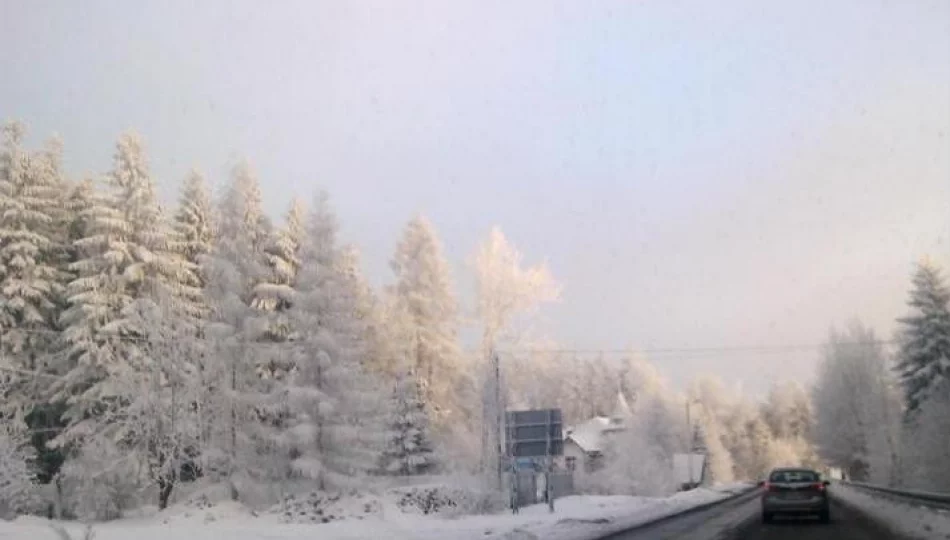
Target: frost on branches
<point x="332" y="398"/>
<point x="408" y="448"/>
<point x="638" y="461"/>
<point x="31" y="282"/>
<point x="924" y="356"/>
<point x="124" y="257"/>
<point x="423" y="292"/>
<point x="192" y="241"/>
<point x="122" y="351"/>
<point x="17" y="489"/>
<point x="232" y="430"/>
<point x="928" y="443"/>
<point x="857" y="414"/>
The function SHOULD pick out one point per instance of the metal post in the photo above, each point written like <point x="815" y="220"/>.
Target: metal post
<point x="499" y="417"/>
<point x="548" y="486"/>
<point x="689" y="446"/>
<point x="549" y="462"/>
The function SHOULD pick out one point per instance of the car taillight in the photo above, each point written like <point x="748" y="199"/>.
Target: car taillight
<point x="770" y="487"/>
<point x="819" y="486"/>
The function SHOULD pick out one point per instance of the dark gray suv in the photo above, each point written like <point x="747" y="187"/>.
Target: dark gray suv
<point x="794" y="491"/>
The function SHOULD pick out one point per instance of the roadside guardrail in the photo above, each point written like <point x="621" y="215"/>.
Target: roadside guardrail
<point x="929" y="499"/>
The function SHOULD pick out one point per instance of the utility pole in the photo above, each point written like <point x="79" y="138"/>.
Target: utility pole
<point x="493" y="411"/>
<point x="499" y="417"/>
<point x="689" y="446"/>
<point x="691" y="441"/>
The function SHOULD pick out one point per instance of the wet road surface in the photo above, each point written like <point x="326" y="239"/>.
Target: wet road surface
<point x="742" y="520"/>
<point x="845" y="525"/>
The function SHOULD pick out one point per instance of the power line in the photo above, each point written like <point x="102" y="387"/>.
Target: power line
<point x="559" y="350"/>
<point x="689" y="350"/>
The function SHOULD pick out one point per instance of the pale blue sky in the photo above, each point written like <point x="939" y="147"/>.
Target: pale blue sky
<point x="696" y="173"/>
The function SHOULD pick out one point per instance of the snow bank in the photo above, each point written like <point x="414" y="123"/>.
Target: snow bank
<point x="576" y="518"/>
<point x="902" y="518"/>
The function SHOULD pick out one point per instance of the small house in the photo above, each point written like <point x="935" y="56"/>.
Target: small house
<point x="585" y="443"/>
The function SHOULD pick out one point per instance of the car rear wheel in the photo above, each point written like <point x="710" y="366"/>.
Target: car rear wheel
<point x="766" y="517"/>
<point x="824" y="516"/>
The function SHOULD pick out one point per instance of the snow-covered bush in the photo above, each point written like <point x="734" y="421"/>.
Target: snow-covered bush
<point x="322" y="507"/>
<point x="62" y="534"/>
<point x="100" y="483"/>
<point x="18" y="493"/>
<point x="447" y="500"/>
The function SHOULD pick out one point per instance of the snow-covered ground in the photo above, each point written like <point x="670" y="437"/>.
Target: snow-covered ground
<point x="575" y="518"/>
<point x="903" y="518"/>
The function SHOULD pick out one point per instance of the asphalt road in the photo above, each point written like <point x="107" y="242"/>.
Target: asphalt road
<point x="845" y="525"/>
<point x="712" y="523"/>
<point x="742" y="520"/>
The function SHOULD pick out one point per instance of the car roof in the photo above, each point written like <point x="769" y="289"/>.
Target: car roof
<point x="793" y="469"/>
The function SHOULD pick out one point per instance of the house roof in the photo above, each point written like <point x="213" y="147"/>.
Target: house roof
<point x="589" y="436"/>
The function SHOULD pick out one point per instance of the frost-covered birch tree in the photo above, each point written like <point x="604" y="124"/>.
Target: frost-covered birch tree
<point x="507" y="293"/>
<point x="161" y="429"/>
<point x="854" y="405"/>
<point x="637" y="461"/>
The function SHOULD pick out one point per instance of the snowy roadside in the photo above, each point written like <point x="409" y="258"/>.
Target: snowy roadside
<point x="576" y="518"/>
<point x="902" y="518"/>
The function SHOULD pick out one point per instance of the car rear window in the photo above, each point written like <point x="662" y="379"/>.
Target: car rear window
<point x="793" y="476"/>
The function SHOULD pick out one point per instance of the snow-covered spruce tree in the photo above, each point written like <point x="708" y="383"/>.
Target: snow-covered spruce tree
<point x="46" y="419"/>
<point x="124" y="260"/>
<point x="923" y="360"/>
<point x="423" y="290"/>
<point x="122" y="256"/>
<point x="408" y="449"/>
<point x="273" y="298"/>
<point x="332" y="397"/>
<point x="233" y="432"/>
<point x="30" y="278"/>
<point x="274" y="295"/>
<point x="192" y="241"/>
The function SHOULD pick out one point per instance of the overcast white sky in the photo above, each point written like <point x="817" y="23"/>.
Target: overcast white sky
<point x="698" y="174"/>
